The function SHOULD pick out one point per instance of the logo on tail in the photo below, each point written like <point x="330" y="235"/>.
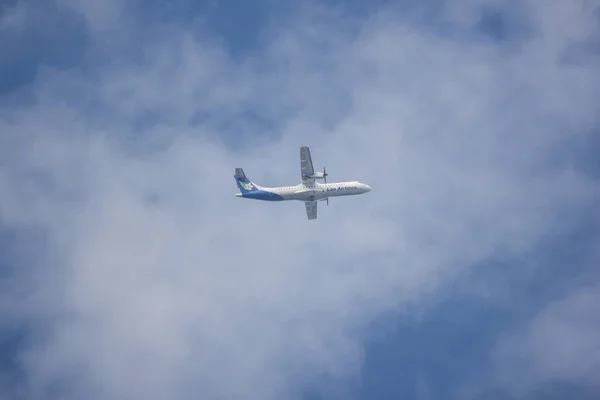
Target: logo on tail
<point x="243" y="182"/>
<point x="246" y="185"/>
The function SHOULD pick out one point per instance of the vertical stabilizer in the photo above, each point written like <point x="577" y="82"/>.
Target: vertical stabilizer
<point x="244" y="184"/>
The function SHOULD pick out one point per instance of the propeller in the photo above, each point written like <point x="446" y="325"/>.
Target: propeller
<point x="325" y="181"/>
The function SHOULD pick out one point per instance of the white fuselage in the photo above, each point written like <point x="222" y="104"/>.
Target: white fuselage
<point x="316" y="191"/>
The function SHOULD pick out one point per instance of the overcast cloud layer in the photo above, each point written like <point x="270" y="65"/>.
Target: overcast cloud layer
<point x="134" y="272"/>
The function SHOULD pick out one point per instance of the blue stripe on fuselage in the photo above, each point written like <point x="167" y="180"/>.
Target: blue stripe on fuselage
<point x="262" y="195"/>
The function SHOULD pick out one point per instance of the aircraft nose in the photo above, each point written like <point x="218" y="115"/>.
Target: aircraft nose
<point x="367" y="188"/>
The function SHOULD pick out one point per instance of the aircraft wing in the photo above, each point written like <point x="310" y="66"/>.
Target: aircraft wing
<point x="306" y="165"/>
<point x="311" y="209"/>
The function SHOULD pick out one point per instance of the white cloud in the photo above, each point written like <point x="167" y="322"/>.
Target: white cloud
<point x="162" y="284"/>
<point x="560" y="344"/>
<point x="570" y="328"/>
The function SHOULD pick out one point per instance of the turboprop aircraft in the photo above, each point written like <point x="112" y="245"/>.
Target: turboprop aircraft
<point x="309" y="191"/>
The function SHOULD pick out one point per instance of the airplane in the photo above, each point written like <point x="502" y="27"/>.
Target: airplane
<point x="309" y="191"/>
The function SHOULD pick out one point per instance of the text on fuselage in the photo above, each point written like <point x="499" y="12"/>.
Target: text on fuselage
<point x="342" y="188"/>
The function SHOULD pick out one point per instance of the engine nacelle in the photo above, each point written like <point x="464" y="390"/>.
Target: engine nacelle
<point x="317" y="175"/>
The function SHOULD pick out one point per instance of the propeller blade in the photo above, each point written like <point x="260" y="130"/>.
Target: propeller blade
<point x="324" y="175"/>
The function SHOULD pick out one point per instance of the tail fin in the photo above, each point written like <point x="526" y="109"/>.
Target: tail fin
<point x="243" y="182"/>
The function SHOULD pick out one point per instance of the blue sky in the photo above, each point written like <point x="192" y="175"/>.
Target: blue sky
<point x="129" y="270"/>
